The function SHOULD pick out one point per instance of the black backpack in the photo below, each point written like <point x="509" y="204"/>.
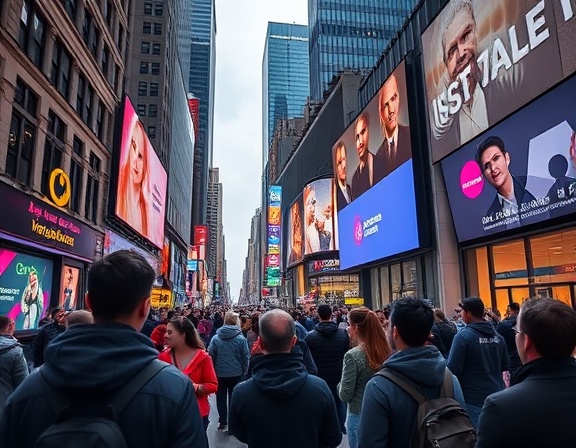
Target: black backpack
<point x="440" y="422"/>
<point x="71" y="430"/>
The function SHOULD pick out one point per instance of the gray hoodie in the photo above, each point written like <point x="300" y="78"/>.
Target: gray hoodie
<point x="13" y="367"/>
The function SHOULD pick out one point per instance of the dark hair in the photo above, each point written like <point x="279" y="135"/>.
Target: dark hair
<point x="118" y="283"/>
<point x="55" y="311"/>
<point x="371" y="332"/>
<point x="474" y="305"/>
<point x="514" y="307"/>
<point x="4" y="323"/>
<point x="255" y="320"/>
<point x="191" y="336"/>
<point x="324" y="312"/>
<point x="413" y="319"/>
<point x="487" y="143"/>
<point x="551" y="325"/>
<point x="277" y="331"/>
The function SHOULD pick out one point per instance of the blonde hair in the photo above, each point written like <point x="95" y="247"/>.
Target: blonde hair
<point x="231" y="318"/>
<point x="79" y="317"/>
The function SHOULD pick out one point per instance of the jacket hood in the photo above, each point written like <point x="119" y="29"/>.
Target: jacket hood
<point x="228" y="331"/>
<point x="326" y="328"/>
<point x="103" y="356"/>
<point x="280" y="375"/>
<point x="7" y="342"/>
<point x="301" y="332"/>
<point x="484" y="328"/>
<point x="424" y="365"/>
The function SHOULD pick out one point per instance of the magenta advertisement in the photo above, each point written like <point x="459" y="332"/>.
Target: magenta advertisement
<point x="25" y="287"/>
<point x="142" y="180"/>
<point x="521" y="172"/>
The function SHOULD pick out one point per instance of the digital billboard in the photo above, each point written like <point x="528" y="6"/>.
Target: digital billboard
<point x="273" y="236"/>
<point x="521" y="172"/>
<point x="484" y="59"/>
<point x="318" y="217"/>
<point x="25" y="288"/>
<point x="70" y="281"/>
<point x="374" y="180"/>
<point x="142" y="180"/>
<point x="200" y="235"/>
<point x="295" y="234"/>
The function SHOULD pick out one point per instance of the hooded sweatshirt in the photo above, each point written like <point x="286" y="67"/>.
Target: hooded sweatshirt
<point x="388" y="413"/>
<point x="328" y="345"/>
<point x="13" y="367"/>
<point x="478" y="357"/>
<point x="280" y="387"/>
<point x="229" y="351"/>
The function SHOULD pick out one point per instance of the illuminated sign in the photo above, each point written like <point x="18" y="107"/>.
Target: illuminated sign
<point x="272" y="260"/>
<point x="60" y="188"/>
<point x="315" y="267"/>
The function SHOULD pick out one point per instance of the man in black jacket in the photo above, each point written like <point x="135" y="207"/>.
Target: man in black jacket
<point x="537" y="411"/>
<point x="506" y="330"/>
<point x="47" y="333"/>
<point x="328" y="345"/>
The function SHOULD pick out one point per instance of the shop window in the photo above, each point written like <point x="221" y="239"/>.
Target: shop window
<point x="384" y="287"/>
<point x="396" y="281"/>
<point x="60" y="74"/>
<point x="510" y="263"/>
<point x="32" y="34"/>
<point x="478" y="274"/>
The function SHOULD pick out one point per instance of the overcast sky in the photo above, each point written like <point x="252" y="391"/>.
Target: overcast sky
<point x="241" y="31"/>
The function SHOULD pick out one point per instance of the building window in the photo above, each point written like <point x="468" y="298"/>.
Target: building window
<point x="142" y="110"/>
<point x="108" y="12"/>
<point x="32" y="33"/>
<point x="53" y="149"/>
<point x="84" y="100"/>
<point x="158" y="9"/>
<point x="148" y="9"/>
<point x="143" y="67"/>
<point x="147" y="28"/>
<point x="112" y="75"/>
<point x="153" y="89"/>
<point x="153" y="110"/>
<point x="155" y="49"/>
<point x="76" y="174"/>
<point x="87" y="116"/>
<point x="145" y="47"/>
<point x="155" y="68"/>
<point x="87" y="28"/>
<point x="94" y="43"/>
<point x="80" y="95"/>
<point x="92" y="187"/>
<point x="100" y="121"/>
<point x="152" y="132"/>
<point x="158" y="28"/>
<point x="70" y="6"/>
<point x="105" y="60"/>
<point x="60" y="75"/>
<point x="142" y="88"/>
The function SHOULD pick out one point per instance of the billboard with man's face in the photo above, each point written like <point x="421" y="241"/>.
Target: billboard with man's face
<point x="374" y="180"/>
<point x="484" y="59"/>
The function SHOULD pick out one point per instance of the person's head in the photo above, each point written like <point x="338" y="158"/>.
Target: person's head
<point x="341" y="163"/>
<point x="138" y="155"/>
<point x="389" y="106"/>
<point x="7" y="325"/>
<point x="79" y="317"/>
<point x="231" y="318"/>
<point x="69" y="275"/>
<point x="513" y="309"/>
<point x="324" y="312"/>
<point x="119" y="287"/>
<point x="180" y="332"/>
<point x="366" y="329"/>
<point x="546" y="328"/>
<point x="277" y="332"/>
<point x="245" y="322"/>
<point x="472" y="309"/>
<point x="33" y="278"/>
<point x="439" y="315"/>
<point x="459" y="43"/>
<point x="309" y="204"/>
<point x="493" y="160"/>
<point x="411" y="321"/>
<point x="362" y="136"/>
<point x="58" y="315"/>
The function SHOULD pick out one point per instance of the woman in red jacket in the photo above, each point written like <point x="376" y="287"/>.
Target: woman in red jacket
<point x="186" y="350"/>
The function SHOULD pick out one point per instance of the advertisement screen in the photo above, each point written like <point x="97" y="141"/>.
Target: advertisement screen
<point x="521" y="172"/>
<point x="142" y="180"/>
<point x="295" y="234"/>
<point x="200" y="235"/>
<point x="318" y="217"/>
<point x="114" y="242"/>
<point x="70" y="281"/>
<point x="484" y="59"/>
<point x="25" y="287"/>
<point x="374" y="180"/>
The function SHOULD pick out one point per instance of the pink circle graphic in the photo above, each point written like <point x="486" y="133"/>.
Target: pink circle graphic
<point x="358" y="235"/>
<point x="471" y="180"/>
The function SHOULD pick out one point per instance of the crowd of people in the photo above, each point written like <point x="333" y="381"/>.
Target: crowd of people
<point x="297" y="377"/>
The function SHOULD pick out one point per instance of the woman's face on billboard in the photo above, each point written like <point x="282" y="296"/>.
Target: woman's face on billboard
<point x="137" y="155"/>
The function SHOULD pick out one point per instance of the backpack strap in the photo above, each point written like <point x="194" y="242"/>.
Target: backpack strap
<point x="447" y="388"/>
<point x="404" y="383"/>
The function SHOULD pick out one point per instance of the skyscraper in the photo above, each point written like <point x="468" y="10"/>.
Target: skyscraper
<point x="285" y="77"/>
<point x="350" y="34"/>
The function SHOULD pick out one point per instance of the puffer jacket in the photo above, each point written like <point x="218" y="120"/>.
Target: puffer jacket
<point x="229" y="351"/>
<point x="13" y="367"/>
<point x="328" y="345"/>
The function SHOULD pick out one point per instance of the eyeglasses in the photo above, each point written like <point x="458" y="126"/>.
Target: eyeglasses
<point x="517" y="331"/>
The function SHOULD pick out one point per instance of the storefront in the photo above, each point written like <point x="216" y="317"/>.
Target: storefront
<point x="325" y="284"/>
<point x="44" y="257"/>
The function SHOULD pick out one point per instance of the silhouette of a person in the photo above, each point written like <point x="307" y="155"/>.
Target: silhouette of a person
<point x="563" y="188"/>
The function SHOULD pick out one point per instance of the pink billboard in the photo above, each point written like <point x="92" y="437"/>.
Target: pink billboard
<point x="142" y="180"/>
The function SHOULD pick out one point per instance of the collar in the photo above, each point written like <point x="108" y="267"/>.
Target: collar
<point x="545" y="366"/>
<point x="394" y="137"/>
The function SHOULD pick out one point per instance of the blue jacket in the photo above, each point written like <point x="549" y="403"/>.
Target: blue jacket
<point x="97" y="360"/>
<point x="478" y="357"/>
<point x="229" y="351"/>
<point x="282" y="387"/>
<point x="13" y="366"/>
<point x="388" y="413"/>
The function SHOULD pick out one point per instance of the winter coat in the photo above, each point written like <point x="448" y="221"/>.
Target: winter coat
<point x="43" y="338"/>
<point x="13" y="367"/>
<point x="229" y="351"/>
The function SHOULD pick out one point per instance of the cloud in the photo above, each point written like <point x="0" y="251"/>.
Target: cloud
<point x="241" y="33"/>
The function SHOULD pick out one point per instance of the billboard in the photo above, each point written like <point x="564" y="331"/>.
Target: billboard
<point x="142" y="180"/>
<point x="374" y="179"/>
<point x="295" y="234"/>
<point x="25" y="288"/>
<point x="484" y="59"/>
<point x="194" y="107"/>
<point x="273" y="236"/>
<point x="114" y="242"/>
<point x="318" y="217"/>
<point x="200" y="235"/>
<point x="70" y="281"/>
<point x="521" y="172"/>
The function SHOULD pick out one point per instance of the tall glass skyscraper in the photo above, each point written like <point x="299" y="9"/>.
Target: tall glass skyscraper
<point x="285" y="77"/>
<point x="350" y="34"/>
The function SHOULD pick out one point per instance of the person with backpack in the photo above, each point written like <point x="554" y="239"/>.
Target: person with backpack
<point x="101" y="384"/>
<point x="389" y="413"/>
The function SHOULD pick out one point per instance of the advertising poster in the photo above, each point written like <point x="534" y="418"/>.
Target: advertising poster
<point x="114" y="242"/>
<point x="70" y="281"/>
<point x="295" y="233"/>
<point x="273" y="235"/>
<point x="142" y="181"/>
<point x="200" y="235"/>
<point x="25" y="288"/>
<point x="374" y="179"/>
<point x="318" y="217"/>
<point x="521" y="172"/>
<point x="484" y="59"/>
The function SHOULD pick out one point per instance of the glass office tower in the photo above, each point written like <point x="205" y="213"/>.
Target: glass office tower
<point x="350" y="34"/>
<point x="285" y="77"/>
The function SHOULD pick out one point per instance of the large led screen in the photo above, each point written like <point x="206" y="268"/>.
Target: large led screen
<point x="318" y="217"/>
<point x="484" y="59"/>
<point x="521" y="172"/>
<point x="25" y="288"/>
<point x="374" y="180"/>
<point x="295" y="234"/>
<point x="142" y="180"/>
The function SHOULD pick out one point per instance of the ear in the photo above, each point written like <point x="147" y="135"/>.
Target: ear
<point x="528" y="344"/>
<point x="87" y="301"/>
<point x="507" y="156"/>
<point x="144" y="307"/>
<point x="294" y="341"/>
